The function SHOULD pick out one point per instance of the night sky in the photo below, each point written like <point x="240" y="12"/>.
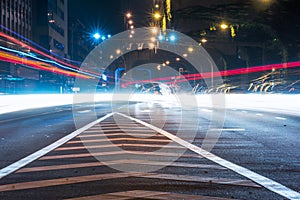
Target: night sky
<point x="107" y="15"/>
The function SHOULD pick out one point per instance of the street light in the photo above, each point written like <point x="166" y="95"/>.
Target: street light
<point x="203" y="40"/>
<point x="160" y="37"/>
<point x="127" y="19"/>
<point x="118" y="51"/>
<point x="128" y="15"/>
<point x="157" y="15"/>
<point x="172" y="38"/>
<point x="97" y="36"/>
<point x="224" y="26"/>
<point x="190" y="49"/>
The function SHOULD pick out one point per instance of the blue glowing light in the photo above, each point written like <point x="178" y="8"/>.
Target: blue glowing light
<point x="104" y="77"/>
<point x="35" y="44"/>
<point x="109" y="36"/>
<point x="172" y="38"/>
<point x="160" y="37"/>
<point x="47" y="61"/>
<point x="96" y="36"/>
<point x="103" y="38"/>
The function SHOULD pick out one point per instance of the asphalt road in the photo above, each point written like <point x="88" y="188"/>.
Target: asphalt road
<point x="124" y="158"/>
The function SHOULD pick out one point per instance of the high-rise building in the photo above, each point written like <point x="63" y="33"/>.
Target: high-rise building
<point x="16" y="15"/>
<point x="50" y="30"/>
<point x="16" y="21"/>
<point x="79" y="44"/>
<point x="50" y="25"/>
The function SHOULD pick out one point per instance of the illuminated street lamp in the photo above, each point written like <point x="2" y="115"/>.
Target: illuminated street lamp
<point x="224" y="26"/>
<point x="172" y="38"/>
<point x="118" y="51"/>
<point x="157" y="15"/>
<point x="160" y="37"/>
<point x="190" y="49"/>
<point x="97" y="36"/>
<point x="128" y="15"/>
<point x="203" y="40"/>
<point x="127" y="19"/>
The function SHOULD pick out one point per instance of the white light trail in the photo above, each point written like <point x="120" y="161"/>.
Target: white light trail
<point x="285" y="104"/>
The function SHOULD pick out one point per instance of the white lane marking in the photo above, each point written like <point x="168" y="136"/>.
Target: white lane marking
<point x="227" y="129"/>
<point x="280" y="118"/>
<point x="21" y="163"/>
<point x="243" y="111"/>
<point x="259" y="114"/>
<point x="264" y="181"/>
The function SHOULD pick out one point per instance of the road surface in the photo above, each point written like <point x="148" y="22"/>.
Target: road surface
<point x="136" y="152"/>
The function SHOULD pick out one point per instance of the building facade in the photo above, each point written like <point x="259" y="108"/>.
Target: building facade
<point x="16" y="15"/>
<point x="50" y="22"/>
<point x="42" y="24"/>
<point x="16" y="21"/>
<point x="79" y="44"/>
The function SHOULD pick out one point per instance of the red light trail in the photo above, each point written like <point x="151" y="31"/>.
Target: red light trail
<point x="232" y="72"/>
<point x="14" y="40"/>
<point x="38" y="65"/>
